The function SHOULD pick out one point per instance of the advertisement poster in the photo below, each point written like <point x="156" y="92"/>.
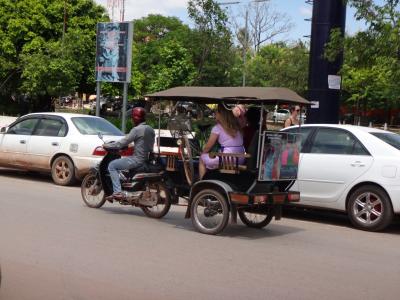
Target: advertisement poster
<point x="280" y="156"/>
<point x="114" y="52"/>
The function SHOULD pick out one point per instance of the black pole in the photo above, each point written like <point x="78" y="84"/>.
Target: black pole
<point x="327" y="15"/>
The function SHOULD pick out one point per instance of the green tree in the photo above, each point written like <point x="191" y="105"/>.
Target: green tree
<point x="372" y="57"/>
<point x="161" y="58"/>
<point x="36" y="58"/>
<point x="211" y="43"/>
<point x="280" y="65"/>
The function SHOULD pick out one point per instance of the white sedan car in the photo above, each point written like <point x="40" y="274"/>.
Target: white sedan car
<point x="352" y="169"/>
<point x="67" y="145"/>
<point x="279" y="115"/>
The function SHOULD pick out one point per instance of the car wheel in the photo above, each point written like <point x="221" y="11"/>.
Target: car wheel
<point x="62" y="171"/>
<point x="369" y="208"/>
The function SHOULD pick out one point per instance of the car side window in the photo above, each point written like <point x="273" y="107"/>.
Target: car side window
<point x="49" y="127"/>
<point x="336" y="141"/>
<point x="303" y="131"/>
<point x="25" y="127"/>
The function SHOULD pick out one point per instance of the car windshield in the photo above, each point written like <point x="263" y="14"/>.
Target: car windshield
<point x="392" y="139"/>
<point x="94" y="126"/>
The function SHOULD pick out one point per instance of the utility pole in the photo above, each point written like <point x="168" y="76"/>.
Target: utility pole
<point x="324" y="84"/>
<point x="116" y="10"/>
<point x="123" y="11"/>
<point x="64" y="24"/>
<point x="246" y="41"/>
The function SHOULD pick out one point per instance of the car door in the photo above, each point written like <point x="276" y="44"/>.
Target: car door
<point x="334" y="159"/>
<point x="46" y="141"/>
<point x="13" y="144"/>
<point x="305" y="133"/>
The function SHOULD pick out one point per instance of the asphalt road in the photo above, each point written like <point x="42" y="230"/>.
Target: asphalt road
<point x="53" y="247"/>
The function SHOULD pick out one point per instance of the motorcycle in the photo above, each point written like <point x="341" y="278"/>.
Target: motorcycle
<point x="144" y="187"/>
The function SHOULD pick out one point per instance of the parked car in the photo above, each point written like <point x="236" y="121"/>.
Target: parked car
<point x="66" y="145"/>
<point x="168" y="143"/>
<point x="279" y="115"/>
<point x="195" y="110"/>
<point x="352" y="169"/>
<point x="107" y="104"/>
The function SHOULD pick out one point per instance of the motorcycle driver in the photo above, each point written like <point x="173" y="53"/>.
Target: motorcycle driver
<point x="143" y="137"/>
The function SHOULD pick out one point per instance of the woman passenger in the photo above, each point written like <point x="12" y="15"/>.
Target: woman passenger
<point x="228" y="134"/>
<point x="294" y="116"/>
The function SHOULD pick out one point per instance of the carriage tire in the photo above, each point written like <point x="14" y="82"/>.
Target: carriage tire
<point x="250" y="223"/>
<point x="194" y="215"/>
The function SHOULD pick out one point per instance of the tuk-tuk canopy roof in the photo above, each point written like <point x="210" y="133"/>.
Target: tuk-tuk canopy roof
<point x="265" y="95"/>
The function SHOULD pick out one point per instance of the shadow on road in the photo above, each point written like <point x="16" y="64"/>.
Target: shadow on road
<point x="30" y="175"/>
<point x="25" y="175"/>
<point x="177" y="219"/>
<point x="331" y="218"/>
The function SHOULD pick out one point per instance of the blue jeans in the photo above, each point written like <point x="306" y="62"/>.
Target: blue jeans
<point x="117" y="165"/>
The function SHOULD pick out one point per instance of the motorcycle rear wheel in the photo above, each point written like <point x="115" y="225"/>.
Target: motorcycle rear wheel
<point x="164" y="202"/>
<point x="92" y="191"/>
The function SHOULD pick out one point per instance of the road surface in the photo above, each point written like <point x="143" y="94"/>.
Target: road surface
<point x="53" y="247"/>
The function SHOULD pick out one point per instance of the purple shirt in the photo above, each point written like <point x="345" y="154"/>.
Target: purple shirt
<point x="228" y="143"/>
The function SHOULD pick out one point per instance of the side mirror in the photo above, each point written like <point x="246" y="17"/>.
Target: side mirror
<point x="3" y="129"/>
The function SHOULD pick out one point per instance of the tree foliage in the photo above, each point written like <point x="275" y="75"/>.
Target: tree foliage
<point x="36" y="58"/>
<point x="161" y="58"/>
<point x="211" y="43"/>
<point x="372" y="57"/>
<point x="280" y="65"/>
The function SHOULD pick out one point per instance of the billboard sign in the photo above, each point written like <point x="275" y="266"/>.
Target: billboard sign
<point x="114" y="52"/>
<point x="280" y="156"/>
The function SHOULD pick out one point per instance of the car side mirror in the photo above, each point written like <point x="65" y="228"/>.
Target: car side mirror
<point x="3" y="129"/>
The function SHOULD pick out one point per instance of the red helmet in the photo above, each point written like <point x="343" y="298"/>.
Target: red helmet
<point x="138" y="115"/>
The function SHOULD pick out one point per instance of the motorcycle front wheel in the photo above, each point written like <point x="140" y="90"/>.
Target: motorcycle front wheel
<point x="92" y="191"/>
<point x="163" y="204"/>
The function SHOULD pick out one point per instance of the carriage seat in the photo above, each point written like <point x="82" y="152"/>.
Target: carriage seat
<point x="229" y="162"/>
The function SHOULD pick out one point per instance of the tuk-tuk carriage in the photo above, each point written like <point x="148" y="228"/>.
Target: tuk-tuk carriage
<point x="255" y="190"/>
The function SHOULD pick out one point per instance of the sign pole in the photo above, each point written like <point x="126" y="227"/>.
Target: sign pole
<point x="124" y="104"/>
<point x="98" y="93"/>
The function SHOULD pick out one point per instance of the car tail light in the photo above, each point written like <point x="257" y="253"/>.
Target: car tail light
<point x="99" y="151"/>
<point x="126" y="152"/>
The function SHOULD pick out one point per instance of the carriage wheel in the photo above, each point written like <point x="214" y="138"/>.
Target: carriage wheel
<point x="255" y="220"/>
<point x="209" y="212"/>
